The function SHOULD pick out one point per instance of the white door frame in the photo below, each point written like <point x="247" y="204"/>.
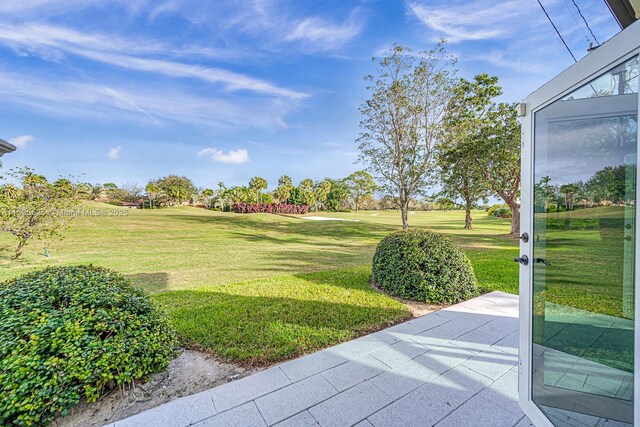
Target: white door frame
<point x="620" y="48"/>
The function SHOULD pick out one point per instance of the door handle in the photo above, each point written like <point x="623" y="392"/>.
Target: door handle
<point x="524" y="260"/>
<point x="542" y="261"/>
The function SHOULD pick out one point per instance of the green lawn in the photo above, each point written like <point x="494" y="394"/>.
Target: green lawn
<point x="260" y="288"/>
<point x="586" y="253"/>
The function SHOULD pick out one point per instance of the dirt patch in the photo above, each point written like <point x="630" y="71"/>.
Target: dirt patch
<point x="417" y="308"/>
<point x="189" y="373"/>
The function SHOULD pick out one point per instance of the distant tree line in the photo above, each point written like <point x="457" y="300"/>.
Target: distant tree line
<point x="608" y="186"/>
<point x="354" y="192"/>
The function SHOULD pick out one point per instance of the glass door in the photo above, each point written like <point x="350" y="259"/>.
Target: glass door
<point x="584" y="221"/>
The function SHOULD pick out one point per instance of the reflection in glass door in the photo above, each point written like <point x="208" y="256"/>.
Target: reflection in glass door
<point x="584" y="252"/>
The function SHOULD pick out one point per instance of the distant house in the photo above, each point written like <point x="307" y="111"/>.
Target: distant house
<point x="5" y="147"/>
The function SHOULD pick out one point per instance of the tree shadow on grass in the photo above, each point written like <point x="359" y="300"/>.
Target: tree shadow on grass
<point x="259" y="330"/>
<point x="257" y="226"/>
<point x="262" y="322"/>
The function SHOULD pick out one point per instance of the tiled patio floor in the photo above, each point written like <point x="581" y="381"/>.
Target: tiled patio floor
<point x="454" y="367"/>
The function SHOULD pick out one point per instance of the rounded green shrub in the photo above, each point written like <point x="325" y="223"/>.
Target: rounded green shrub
<point x="492" y="211"/>
<point x="423" y="266"/>
<point x="74" y="332"/>
<point x="502" y="213"/>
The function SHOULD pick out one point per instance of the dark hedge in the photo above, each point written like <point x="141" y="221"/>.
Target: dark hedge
<point x="74" y="332"/>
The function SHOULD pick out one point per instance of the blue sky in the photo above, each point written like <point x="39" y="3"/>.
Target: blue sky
<point x="127" y="90"/>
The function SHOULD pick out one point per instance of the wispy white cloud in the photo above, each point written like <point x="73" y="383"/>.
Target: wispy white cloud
<point x="69" y="98"/>
<point x="29" y="8"/>
<point x="475" y="20"/>
<point x="21" y="141"/>
<point x="230" y="80"/>
<point x="114" y="153"/>
<point x="54" y="42"/>
<point x="323" y="34"/>
<point x="238" y="156"/>
<point x="506" y="59"/>
<point x="35" y="37"/>
<point x="273" y="24"/>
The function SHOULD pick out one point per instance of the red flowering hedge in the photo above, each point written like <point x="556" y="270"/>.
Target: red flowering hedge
<point x="275" y="208"/>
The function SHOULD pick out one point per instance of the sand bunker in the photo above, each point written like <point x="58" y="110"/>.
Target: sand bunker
<point x="327" y="218"/>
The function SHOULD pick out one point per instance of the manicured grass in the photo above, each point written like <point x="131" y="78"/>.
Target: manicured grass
<point x="586" y="268"/>
<point x="261" y="288"/>
<point x="187" y="248"/>
<point x="266" y="320"/>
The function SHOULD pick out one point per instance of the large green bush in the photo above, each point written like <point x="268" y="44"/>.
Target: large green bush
<point x="499" y="211"/>
<point x="74" y="332"/>
<point x="423" y="266"/>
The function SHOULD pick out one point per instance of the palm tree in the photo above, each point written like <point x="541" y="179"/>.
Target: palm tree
<point x="10" y="191"/>
<point x="196" y="197"/>
<point x="256" y="184"/>
<point x="306" y="184"/>
<point x="153" y="193"/>
<point x="95" y="191"/>
<point x="222" y="199"/>
<point x="570" y="193"/>
<point x="177" y="193"/>
<point x="283" y="191"/>
<point x="238" y="194"/>
<point x="207" y="195"/>
<point x="84" y="190"/>
<point x="321" y="192"/>
<point x="30" y="183"/>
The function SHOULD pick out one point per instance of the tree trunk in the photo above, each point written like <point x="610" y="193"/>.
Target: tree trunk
<point x="405" y="221"/>
<point x="515" y="219"/>
<point x="467" y="218"/>
<point x="20" y="247"/>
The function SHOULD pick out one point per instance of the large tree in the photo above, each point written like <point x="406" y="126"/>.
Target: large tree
<point x="403" y="120"/>
<point x="609" y="184"/>
<point x="35" y="208"/>
<point x="131" y="192"/>
<point x="361" y="185"/>
<point x="177" y="188"/>
<point x="109" y="190"/>
<point x="460" y="176"/>
<point x="498" y="158"/>
<point x="459" y="179"/>
<point x="338" y="195"/>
